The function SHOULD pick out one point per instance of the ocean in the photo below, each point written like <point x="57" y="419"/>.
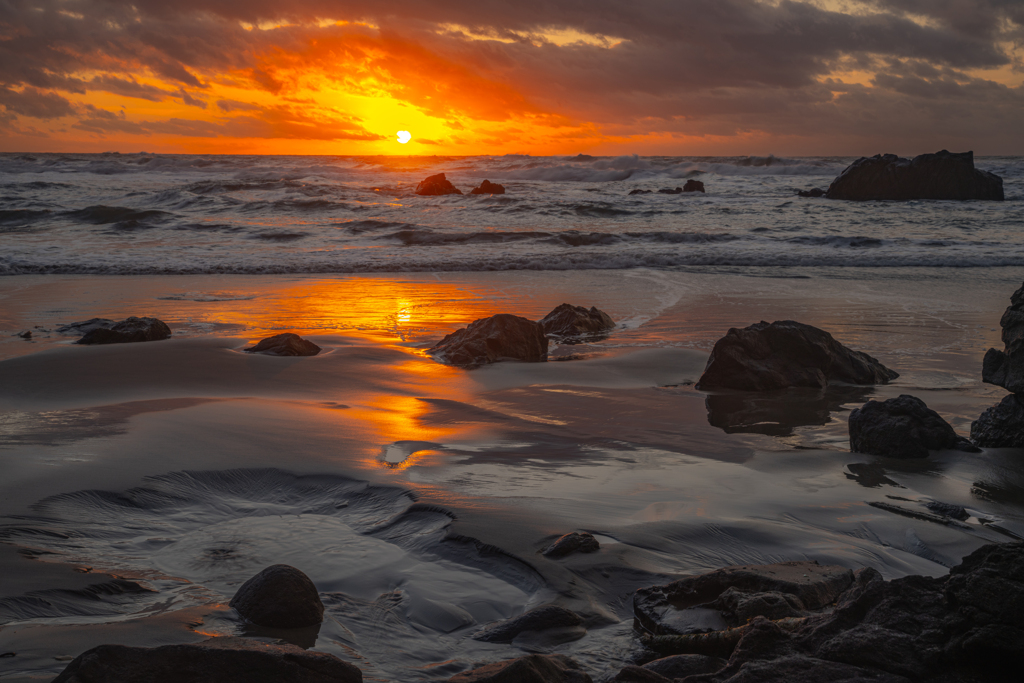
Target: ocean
<point x="119" y="214"/>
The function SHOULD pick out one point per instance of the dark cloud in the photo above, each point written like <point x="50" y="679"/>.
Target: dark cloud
<point x="35" y="103"/>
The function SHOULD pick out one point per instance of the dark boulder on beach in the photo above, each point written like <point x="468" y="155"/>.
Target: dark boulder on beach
<point x="1002" y="425"/>
<point x="280" y="596"/>
<point x="217" y="660"/>
<point x="529" y="669"/>
<point x="128" y="331"/>
<point x="490" y="340"/>
<point x="1006" y="368"/>
<point x="693" y="186"/>
<point x="632" y="192"/>
<point x="943" y="175"/>
<point x="84" y="326"/>
<point x="902" y="427"/>
<point x="709" y="601"/>
<point x="487" y="187"/>
<point x="541" y="618"/>
<point x="436" y="185"/>
<point x="767" y="356"/>
<point x="567" y="320"/>
<point x="574" y="542"/>
<point x="287" y="344"/>
<point x="965" y="627"/>
<point x="813" y="192"/>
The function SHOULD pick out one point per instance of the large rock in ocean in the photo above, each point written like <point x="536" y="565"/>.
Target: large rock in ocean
<point x="127" y="331"/>
<point x="529" y="669"/>
<point x="280" y="596"/>
<point x="693" y="186"/>
<point x="436" y="184"/>
<point x="287" y="344"/>
<point x="943" y="175"/>
<point x="489" y="340"/>
<point x="217" y="660"/>
<point x="487" y="187"/>
<point x="1002" y="425"/>
<point x="567" y="320"/>
<point x="767" y="356"/>
<point x="902" y="427"/>
<point x="1006" y="368"/>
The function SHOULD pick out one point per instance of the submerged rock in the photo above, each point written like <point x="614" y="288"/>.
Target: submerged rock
<point x="574" y="542"/>
<point x="813" y="192"/>
<point x="668" y="190"/>
<point x="567" y="320"/>
<point x="287" y="344"/>
<point x="27" y="334"/>
<point x="280" y="596"/>
<point x="529" y="669"/>
<point x="541" y="618"/>
<point x="693" y="186"/>
<point x="217" y="660"/>
<point x="638" y="191"/>
<point x="729" y="596"/>
<point x="943" y="175"/>
<point x="1002" y="425"/>
<point x="436" y="185"/>
<point x="490" y="340"/>
<point x="128" y="331"/>
<point x="1006" y="368"/>
<point x="902" y="427"/>
<point x="767" y="356"/>
<point x="487" y="187"/>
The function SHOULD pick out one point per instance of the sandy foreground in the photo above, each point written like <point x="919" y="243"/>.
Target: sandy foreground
<point x="418" y="497"/>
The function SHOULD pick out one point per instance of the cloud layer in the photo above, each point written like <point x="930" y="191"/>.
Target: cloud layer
<point x="654" y="76"/>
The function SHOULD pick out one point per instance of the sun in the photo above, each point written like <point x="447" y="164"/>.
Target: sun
<point x="404" y="136"/>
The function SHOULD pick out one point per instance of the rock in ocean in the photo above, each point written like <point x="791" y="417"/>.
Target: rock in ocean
<point x="943" y="175"/>
<point x="489" y="340"/>
<point x="767" y="356"/>
<point x="280" y="596"/>
<point x="902" y="427"/>
<point x="436" y="185"/>
<point x="487" y="187"/>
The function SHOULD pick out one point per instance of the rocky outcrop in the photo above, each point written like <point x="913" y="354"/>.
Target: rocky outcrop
<point x="943" y="175"/>
<point x="1002" y="425"/>
<point x="574" y="542"/>
<point x="530" y="669"/>
<point x="902" y="427"/>
<point x="287" y="344"/>
<point x="543" y="618"/>
<point x="489" y="340"/>
<point x="693" y="186"/>
<point x="567" y="320"/>
<point x="129" y="330"/>
<point x="280" y="596"/>
<point x="487" y="187"/>
<point x="967" y="627"/>
<point x="217" y="660"/>
<point x="731" y="596"/>
<point x="768" y="356"/>
<point x="436" y="185"/>
<point x="1006" y="368"/>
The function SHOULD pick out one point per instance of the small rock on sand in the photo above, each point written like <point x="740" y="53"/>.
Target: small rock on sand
<point x="280" y="596"/>
<point x="574" y="542"/>
<point x="567" y="320"/>
<point x="902" y="427"/>
<point x="287" y="344"/>
<point x="128" y="331"/>
<point x="489" y="340"/>
<point x="541" y="618"/>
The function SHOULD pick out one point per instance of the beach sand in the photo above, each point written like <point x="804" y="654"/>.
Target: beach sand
<point x="418" y="496"/>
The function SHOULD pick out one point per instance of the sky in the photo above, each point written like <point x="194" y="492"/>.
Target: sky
<point x="650" y="77"/>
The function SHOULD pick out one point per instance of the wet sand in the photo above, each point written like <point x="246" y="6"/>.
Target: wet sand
<point x="417" y="496"/>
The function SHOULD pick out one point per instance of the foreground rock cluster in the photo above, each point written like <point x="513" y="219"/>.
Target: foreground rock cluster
<point x="1002" y="425"/>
